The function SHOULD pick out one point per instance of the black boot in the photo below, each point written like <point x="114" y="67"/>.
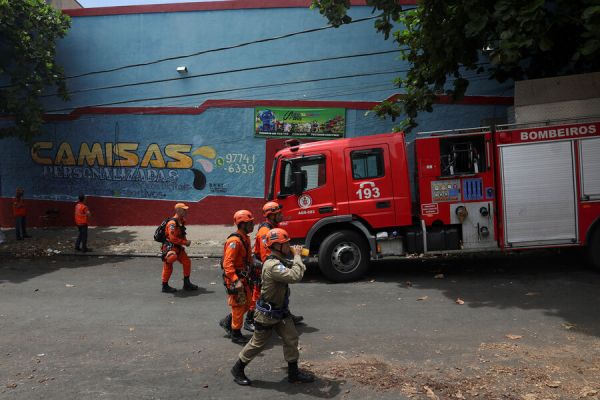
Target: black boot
<point x="296" y="318"/>
<point x="187" y="285"/>
<point x="225" y="323"/>
<point x="239" y="376"/>
<point x="249" y="321"/>
<point x="297" y="376"/>
<point x="237" y="337"/>
<point x="168" y="289"/>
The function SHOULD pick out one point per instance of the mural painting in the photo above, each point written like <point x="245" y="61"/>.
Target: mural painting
<point x="133" y="169"/>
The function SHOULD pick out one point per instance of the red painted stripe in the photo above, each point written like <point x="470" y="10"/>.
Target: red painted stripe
<point x="114" y="211"/>
<point x="353" y="105"/>
<point x="206" y="6"/>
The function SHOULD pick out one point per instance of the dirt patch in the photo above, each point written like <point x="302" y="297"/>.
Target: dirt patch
<point x="505" y="370"/>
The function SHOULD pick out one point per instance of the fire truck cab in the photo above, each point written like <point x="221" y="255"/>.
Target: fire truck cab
<point x="512" y="187"/>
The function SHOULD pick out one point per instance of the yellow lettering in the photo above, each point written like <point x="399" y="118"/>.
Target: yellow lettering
<point x="127" y="157"/>
<point x="175" y="151"/>
<point x="92" y="156"/>
<point x="35" y="152"/>
<point x="64" y="155"/>
<point x="109" y="154"/>
<point x="153" y="157"/>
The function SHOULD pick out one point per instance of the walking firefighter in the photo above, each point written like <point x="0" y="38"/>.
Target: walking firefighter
<point x="236" y="264"/>
<point x="172" y="234"/>
<point x="272" y="312"/>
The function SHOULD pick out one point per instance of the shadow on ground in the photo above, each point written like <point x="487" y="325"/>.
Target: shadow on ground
<point x="42" y="253"/>
<point x="324" y="389"/>
<point x="19" y="270"/>
<point x="558" y="282"/>
<point x="59" y="240"/>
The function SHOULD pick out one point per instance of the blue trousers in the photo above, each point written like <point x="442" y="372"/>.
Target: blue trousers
<point x="82" y="238"/>
<point x="20" y="228"/>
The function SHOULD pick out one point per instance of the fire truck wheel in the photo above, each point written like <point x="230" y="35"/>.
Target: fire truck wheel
<point x="344" y="256"/>
<point x="594" y="249"/>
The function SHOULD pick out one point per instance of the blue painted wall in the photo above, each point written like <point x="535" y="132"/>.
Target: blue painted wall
<point x="235" y="165"/>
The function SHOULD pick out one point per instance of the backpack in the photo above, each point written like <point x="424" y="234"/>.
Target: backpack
<point x="160" y="234"/>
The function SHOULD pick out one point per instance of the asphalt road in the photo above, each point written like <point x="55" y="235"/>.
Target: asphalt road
<point x="99" y="328"/>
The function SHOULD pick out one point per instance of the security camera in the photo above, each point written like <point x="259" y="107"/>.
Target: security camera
<point x="182" y="70"/>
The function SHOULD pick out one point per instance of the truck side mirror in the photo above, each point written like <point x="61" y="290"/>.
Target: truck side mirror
<point x="300" y="180"/>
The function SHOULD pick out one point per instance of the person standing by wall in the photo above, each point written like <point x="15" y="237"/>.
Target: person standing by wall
<point x="174" y="250"/>
<point x="82" y="215"/>
<point x="237" y="259"/>
<point x="20" y="213"/>
<point x="272" y="312"/>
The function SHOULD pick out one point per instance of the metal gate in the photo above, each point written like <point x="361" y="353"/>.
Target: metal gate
<point x="539" y="194"/>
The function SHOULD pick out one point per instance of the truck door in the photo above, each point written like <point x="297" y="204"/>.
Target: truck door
<point x="539" y="194"/>
<point x="369" y="177"/>
<point x="316" y="199"/>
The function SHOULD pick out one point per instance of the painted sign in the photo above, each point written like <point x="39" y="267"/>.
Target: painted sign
<point x="550" y="132"/>
<point x="61" y="169"/>
<point x="317" y="123"/>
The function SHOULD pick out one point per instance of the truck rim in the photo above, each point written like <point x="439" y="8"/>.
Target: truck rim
<point x="345" y="257"/>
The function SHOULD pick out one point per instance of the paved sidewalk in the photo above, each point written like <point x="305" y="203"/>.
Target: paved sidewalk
<point x="207" y="241"/>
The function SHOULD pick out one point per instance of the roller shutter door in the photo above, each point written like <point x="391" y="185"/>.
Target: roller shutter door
<point x="539" y="196"/>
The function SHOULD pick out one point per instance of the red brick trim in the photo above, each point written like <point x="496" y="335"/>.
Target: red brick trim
<point x="206" y="6"/>
<point x="353" y="105"/>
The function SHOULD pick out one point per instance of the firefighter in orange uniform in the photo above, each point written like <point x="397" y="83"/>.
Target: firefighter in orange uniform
<point x="273" y="216"/>
<point x="237" y="261"/>
<point x="173" y="250"/>
<point x="82" y="214"/>
<point x="20" y="212"/>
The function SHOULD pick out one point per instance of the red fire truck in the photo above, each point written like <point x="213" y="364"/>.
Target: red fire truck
<point x="512" y="187"/>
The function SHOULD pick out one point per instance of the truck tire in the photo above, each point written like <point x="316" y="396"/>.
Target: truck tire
<point x="344" y="256"/>
<point x="593" y="249"/>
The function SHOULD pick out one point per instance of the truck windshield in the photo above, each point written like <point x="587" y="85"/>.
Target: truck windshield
<point x="313" y="167"/>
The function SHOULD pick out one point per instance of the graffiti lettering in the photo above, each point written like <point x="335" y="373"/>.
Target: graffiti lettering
<point x="111" y="174"/>
<point x="122" y="154"/>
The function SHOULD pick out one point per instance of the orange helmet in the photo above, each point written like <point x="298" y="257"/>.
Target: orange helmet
<point x="242" y="216"/>
<point x="171" y="256"/>
<point x="277" y="235"/>
<point x="271" y="208"/>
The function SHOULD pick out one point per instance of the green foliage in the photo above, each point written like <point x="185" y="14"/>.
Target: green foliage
<point x="504" y="39"/>
<point x="28" y="33"/>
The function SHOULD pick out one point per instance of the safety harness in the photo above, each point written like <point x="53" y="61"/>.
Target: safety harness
<point x="267" y="308"/>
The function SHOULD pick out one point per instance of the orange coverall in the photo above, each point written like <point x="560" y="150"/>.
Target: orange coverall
<point x="176" y="236"/>
<point x="81" y="214"/>
<point x="262" y="252"/>
<point x="236" y="259"/>
<point x="19" y="209"/>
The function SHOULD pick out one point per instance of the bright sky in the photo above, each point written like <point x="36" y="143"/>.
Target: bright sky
<point x="111" y="3"/>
